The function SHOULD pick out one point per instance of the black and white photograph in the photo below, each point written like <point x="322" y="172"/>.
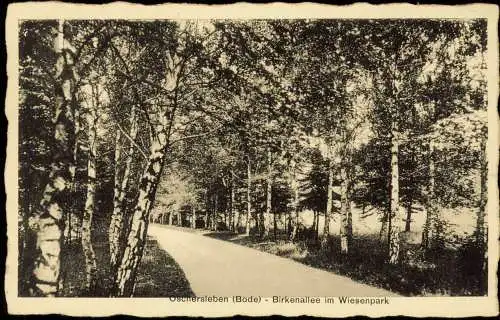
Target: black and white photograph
<point x="261" y="160"/>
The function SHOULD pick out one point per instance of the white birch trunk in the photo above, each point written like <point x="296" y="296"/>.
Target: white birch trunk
<point x="481" y="224"/>
<point x="126" y="274"/>
<point x="88" y="250"/>
<point x="269" y="183"/>
<point x="249" y="197"/>
<point x="193" y="217"/>
<point x="345" y="222"/>
<point x="295" y="210"/>
<point x="394" y="218"/>
<point x="329" y="201"/>
<point x="117" y="228"/>
<point x="47" y="222"/>
<point x="428" y="232"/>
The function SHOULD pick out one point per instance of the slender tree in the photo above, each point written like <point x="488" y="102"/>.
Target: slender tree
<point x="88" y="250"/>
<point x="118" y="217"/>
<point x="48" y="219"/>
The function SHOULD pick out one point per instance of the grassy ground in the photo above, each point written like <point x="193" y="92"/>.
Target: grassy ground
<point x="158" y="275"/>
<point x="444" y="274"/>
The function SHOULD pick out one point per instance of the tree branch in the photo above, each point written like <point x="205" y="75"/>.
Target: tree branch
<point x="131" y="140"/>
<point x="117" y="124"/>
<point x="194" y="135"/>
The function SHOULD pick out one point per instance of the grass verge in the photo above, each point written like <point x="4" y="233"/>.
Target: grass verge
<point x="448" y="273"/>
<point x="158" y="274"/>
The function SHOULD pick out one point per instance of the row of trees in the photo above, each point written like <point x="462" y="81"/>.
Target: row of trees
<point x="263" y="118"/>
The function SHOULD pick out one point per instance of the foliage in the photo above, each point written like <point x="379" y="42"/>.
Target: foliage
<point x="221" y="96"/>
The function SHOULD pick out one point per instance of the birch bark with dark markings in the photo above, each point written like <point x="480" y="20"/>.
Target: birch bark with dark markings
<point x="329" y="201"/>
<point x="47" y="222"/>
<point x="132" y="255"/>
<point x="88" y="250"/>
<point x="117" y="226"/>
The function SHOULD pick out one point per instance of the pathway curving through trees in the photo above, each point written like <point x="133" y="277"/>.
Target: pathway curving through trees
<point x="216" y="267"/>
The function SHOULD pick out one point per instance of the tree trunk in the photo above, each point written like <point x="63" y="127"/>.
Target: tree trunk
<point x="47" y="222"/>
<point x="237" y="221"/>
<point x="315" y="214"/>
<point x="349" y="221"/>
<point x="207" y="209"/>
<point x="179" y="218"/>
<point x="289" y="225"/>
<point x="345" y="212"/>
<point x="73" y="206"/>
<point x="286" y="224"/>
<point x="117" y="227"/>
<point x="27" y="244"/>
<point x="275" y="227"/>
<point x="481" y="225"/>
<point x="317" y="226"/>
<point x="210" y="213"/>
<point x="88" y="250"/>
<point x="295" y="188"/>
<point x="210" y="208"/>
<point x="193" y="217"/>
<point x="409" y="203"/>
<point x="408" y="214"/>
<point x="314" y="227"/>
<point x="329" y="201"/>
<point x="394" y="217"/>
<point x="231" y="202"/>
<point x="249" y="197"/>
<point x="267" y="215"/>
<point x="73" y="178"/>
<point x="237" y="217"/>
<point x="428" y="233"/>
<point x="112" y="231"/>
<point x="136" y="238"/>
<point x="216" y="215"/>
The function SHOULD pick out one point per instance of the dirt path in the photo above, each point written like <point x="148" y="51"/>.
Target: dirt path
<point x="216" y="267"/>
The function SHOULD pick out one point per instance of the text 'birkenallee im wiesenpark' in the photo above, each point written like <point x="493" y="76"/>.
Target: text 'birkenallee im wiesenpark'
<point x="284" y="299"/>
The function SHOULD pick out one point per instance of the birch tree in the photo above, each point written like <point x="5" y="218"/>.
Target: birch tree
<point x="400" y="64"/>
<point x="36" y="101"/>
<point x="48" y="219"/>
<point x="118" y="217"/>
<point x="173" y="82"/>
<point x="88" y="250"/>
